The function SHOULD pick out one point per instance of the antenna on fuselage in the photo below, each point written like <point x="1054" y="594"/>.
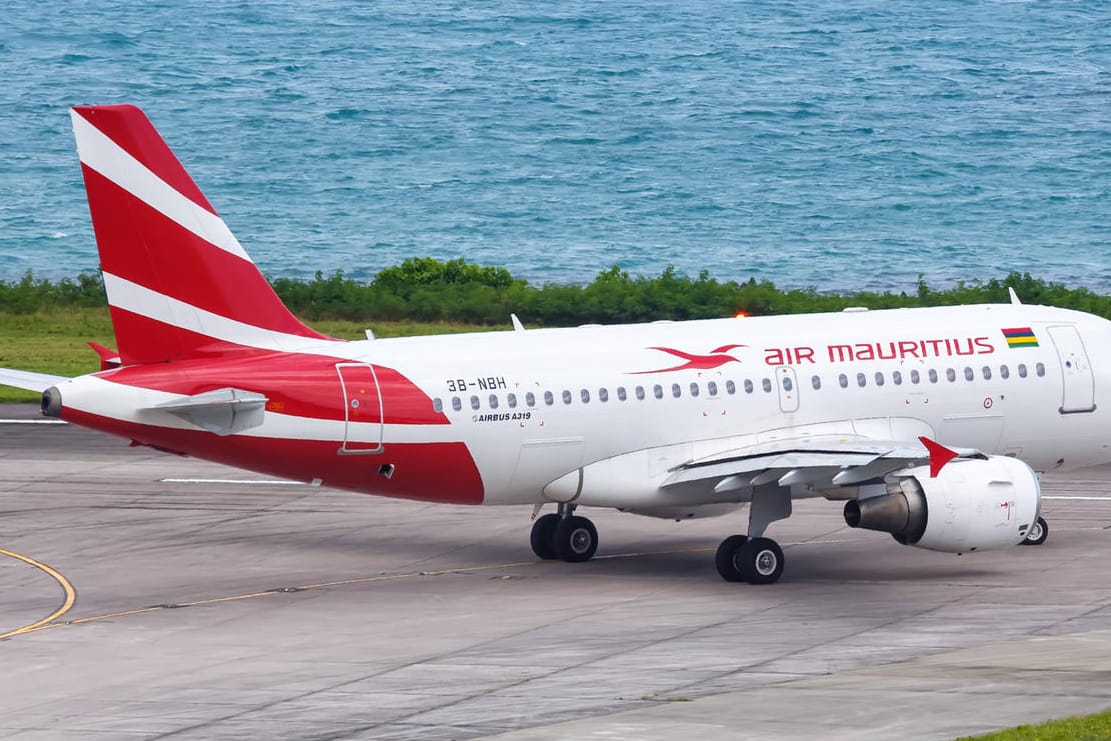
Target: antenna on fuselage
<point x="517" y="326"/>
<point x="1014" y="296"/>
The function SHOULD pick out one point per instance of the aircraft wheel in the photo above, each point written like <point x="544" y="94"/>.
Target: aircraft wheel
<point x="1039" y="531"/>
<point x="727" y="559"/>
<point x="761" y="561"/>
<point x="576" y="539"/>
<point x="543" y="537"/>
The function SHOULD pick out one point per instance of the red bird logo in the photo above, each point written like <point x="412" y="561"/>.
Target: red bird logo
<point x="717" y="357"/>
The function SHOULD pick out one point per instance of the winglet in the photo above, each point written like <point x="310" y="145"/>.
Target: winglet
<point x="939" y="455"/>
<point x="108" y="358"/>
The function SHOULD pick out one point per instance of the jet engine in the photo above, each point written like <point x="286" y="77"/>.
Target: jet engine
<point x="970" y="505"/>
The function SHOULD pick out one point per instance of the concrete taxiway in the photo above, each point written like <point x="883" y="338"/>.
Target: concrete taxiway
<point x="144" y="595"/>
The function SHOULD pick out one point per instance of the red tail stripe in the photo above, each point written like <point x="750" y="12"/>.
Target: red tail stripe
<point x="145" y="340"/>
<point x="130" y="129"/>
<point x="155" y="252"/>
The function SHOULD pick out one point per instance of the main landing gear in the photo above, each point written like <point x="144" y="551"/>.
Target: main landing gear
<point x="753" y="558"/>
<point x="564" y="536"/>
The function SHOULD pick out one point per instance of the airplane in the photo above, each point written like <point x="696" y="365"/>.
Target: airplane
<point x="930" y="424"/>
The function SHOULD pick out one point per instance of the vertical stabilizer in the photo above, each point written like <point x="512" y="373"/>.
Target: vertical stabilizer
<point x="179" y="284"/>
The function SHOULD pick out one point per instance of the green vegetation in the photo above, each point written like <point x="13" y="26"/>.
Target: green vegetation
<point x="44" y="325"/>
<point x="1087" y="728"/>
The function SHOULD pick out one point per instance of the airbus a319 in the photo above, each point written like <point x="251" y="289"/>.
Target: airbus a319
<point x="929" y="424"/>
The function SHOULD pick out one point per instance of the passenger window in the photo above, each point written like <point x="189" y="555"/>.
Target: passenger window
<point x="933" y="376"/>
<point x="879" y="378"/>
<point x="676" y="391"/>
<point x="730" y="387"/>
<point x="1022" y="370"/>
<point x="585" y="396"/>
<point x="548" y="398"/>
<point x="915" y="377"/>
<point x="603" y="394"/>
<point x="969" y="374"/>
<point x="621" y="395"/>
<point x="658" y="391"/>
<point x="788" y="384"/>
<point x="1040" y="369"/>
<point x="1004" y="372"/>
<point x="474" y="402"/>
<point x="767" y="385"/>
<point x="566" y="396"/>
<point x="748" y="386"/>
<point x="437" y="405"/>
<point x="950" y="375"/>
<point x="816" y="383"/>
<point x="640" y="393"/>
<point x="711" y="388"/>
<point x="456" y="403"/>
<point x="530" y="400"/>
<point x="897" y="378"/>
<point x="493" y="401"/>
<point x="861" y="380"/>
<point x="987" y="373"/>
<point x="694" y="389"/>
<point x="511" y="400"/>
<point x="843" y="381"/>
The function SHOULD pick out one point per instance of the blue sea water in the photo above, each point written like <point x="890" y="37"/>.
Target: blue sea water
<point x="837" y="144"/>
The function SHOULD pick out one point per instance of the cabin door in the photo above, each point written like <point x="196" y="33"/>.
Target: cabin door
<point x="362" y="422"/>
<point x="1079" y="385"/>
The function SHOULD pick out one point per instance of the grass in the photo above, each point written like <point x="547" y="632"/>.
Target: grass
<point x="1084" y="728"/>
<point x="56" y="340"/>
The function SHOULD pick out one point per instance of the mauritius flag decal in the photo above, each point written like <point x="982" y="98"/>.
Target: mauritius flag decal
<point x="1020" y="337"/>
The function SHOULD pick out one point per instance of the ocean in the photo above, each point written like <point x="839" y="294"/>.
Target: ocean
<point x="839" y="145"/>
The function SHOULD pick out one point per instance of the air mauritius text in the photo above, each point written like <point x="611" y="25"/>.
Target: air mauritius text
<point x="893" y="350"/>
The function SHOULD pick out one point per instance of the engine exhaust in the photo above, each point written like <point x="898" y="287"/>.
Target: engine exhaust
<point x="901" y="512"/>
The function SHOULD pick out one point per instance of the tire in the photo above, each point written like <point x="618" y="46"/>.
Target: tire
<point x="543" y="537"/>
<point x="576" y="539"/>
<point x="1039" y="531"/>
<point x="727" y="559"/>
<point x="761" y="561"/>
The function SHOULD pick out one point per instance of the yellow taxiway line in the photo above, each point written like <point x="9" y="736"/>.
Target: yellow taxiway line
<point x="67" y="589"/>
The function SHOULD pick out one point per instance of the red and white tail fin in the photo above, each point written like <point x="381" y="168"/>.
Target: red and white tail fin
<point x="179" y="284"/>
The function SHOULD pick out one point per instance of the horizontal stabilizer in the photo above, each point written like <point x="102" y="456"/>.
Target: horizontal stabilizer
<point x="223" y="411"/>
<point x="30" y="381"/>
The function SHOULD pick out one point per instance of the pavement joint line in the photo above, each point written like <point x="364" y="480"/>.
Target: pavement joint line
<point x="49" y="621"/>
<point x="67" y="589"/>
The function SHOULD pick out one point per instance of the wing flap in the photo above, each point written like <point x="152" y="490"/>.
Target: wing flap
<point x="820" y="462"/>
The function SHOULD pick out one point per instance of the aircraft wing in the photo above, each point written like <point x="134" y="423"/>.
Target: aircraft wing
<point x="28" y="380"/>
<point x="818" y="462"/>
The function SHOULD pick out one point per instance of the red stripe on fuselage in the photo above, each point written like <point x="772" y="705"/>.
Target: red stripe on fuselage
<point x="133" y="132"/>
<point x="428" y="472"/>
<point x="141" y="245"/>
<point x="295" y="384"/>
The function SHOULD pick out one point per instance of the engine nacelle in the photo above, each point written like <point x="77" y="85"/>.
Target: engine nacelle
<point x="971" y="505"/>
